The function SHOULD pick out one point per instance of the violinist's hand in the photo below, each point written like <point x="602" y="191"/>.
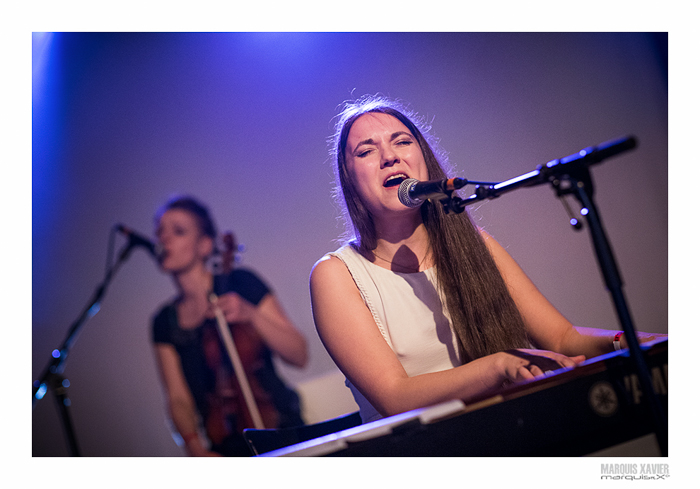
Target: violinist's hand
<point x="234" y="307"/>
<point x="196" y="449"/>
<point x="523" y="364"/>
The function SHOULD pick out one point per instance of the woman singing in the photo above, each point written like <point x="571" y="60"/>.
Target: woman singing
<point x="421" y="307"/>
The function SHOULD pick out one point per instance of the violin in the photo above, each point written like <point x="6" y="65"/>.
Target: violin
<point x="234" y="352"/>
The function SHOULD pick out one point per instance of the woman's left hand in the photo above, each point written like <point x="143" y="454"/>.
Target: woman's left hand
<point x="644" y="338"/>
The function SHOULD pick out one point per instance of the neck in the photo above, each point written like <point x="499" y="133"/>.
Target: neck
<point x="403" y="245"/>
<point x="193" y="284"/>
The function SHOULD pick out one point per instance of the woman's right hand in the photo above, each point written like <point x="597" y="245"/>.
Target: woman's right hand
<point x="524" y="364"/>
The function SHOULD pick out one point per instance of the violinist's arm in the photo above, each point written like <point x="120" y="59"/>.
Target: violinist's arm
<point x="271" y="322"/>
<point x="279" y="332"/>
<point x="181" y="406"/>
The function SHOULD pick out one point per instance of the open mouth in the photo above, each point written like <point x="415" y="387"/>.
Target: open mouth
<point x="394" y="180"/>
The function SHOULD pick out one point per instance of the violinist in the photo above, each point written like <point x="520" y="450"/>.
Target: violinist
<point x="205" y="396"/>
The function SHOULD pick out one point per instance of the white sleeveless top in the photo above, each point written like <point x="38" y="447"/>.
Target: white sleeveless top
<point x="410" y="316"/>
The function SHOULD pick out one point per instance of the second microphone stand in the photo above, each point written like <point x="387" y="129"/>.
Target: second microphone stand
<point x="52" y="378"/>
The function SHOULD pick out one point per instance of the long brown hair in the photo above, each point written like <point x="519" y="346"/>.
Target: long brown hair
<point x="484" y="316"/>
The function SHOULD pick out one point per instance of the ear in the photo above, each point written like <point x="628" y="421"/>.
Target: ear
<point x="205" y="246"/>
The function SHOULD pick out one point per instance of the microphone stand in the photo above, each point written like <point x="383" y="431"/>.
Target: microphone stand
<point x="52" y="378"/>
<point x="571" y="174"/>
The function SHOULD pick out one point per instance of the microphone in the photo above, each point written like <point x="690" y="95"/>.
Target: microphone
<point x="413" y="193"/>
<point x="135" y="239"/>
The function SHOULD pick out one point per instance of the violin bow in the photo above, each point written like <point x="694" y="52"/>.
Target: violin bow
<point x="227" y="337"/>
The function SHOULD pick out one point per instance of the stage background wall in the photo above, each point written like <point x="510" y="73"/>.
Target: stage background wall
<point x="122" y="121"/>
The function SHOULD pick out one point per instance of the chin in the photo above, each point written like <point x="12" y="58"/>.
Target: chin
<point x="165" y="266"/>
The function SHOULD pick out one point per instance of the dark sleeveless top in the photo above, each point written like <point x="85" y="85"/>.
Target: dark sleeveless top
<point x="189" y="344"/>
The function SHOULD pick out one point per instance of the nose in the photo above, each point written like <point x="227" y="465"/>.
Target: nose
<point x="389" y="157"/>
<point x="162" y="237"/>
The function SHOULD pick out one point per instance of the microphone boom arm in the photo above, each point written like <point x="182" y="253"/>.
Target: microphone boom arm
<point x="571" y="164"/>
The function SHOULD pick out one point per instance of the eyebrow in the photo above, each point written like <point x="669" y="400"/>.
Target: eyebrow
<point x="393" y="136"/>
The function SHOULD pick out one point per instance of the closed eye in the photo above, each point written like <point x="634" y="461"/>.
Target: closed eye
<point x="402" y="137"/>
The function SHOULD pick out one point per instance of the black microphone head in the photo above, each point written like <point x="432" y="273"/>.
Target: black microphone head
<point x="136" y="239"/>
<point x="404" y="193"/>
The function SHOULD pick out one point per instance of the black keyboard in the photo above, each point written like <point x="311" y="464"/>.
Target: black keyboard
<point x="597" y="405"/>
